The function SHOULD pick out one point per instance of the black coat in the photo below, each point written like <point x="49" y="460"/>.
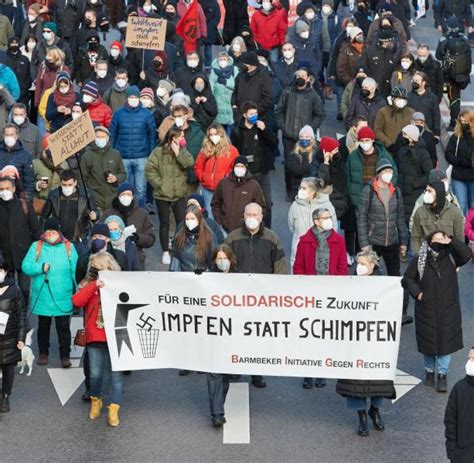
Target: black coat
<point x="438" y="315"/>
<point x="299" y="167"/>
<point x="432" y="69"/>
<point x="20" y="65"/>
<point x="236" y="17"/>
<point x="414" y="166"/>
<point x="213" y="16"/>
<point x="428" y="105"/>
<point x="204" y="112"/>
<point x="285" y="73"/>
<point x="11" y="303"/>
<point x="67" y="17"/>
<point x="362" y="106"/>
<point x="461" y="158"/>
<point x="459" y="430"/>
<point x="185" y="75"/>
<point x="366" y="388"/>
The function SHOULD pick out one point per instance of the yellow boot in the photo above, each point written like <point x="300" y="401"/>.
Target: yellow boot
<point x="113" y="416"/>
<point x="96" y="408"/>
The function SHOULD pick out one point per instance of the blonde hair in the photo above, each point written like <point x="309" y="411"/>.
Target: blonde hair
<point x="370" y="255"/>
<point x="222" y="148"/>
<point x="299" y="150"/>
<point x="469" y="116"/>
<point x="57" y="55"/>
<point x="104" y="261"/>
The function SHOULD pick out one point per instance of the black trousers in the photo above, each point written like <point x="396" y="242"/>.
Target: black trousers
<point x="454" y="95"/>
<point x="163" y="208"/>
<point x="8" y="373"/>
<point x="288" y="147"/>
<point x="63" y="330"/>
<point x="24" y="284"/>
<point x="391" y="257"/>
<point x="217" y="387"/>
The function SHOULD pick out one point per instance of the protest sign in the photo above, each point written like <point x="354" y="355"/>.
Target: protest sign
<point x="71" y="138"/>
<point x="146" y="33"/>
<point x="283" y="325"/>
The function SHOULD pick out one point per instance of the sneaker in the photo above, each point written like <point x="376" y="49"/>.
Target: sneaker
<point x="406" y="319"/>
<point x="166" y="258"/>
<point x="218" y="421"/>
<point x="66" y="363"/>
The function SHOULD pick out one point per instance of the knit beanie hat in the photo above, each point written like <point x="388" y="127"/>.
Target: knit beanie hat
<point x="418" y="117"/>
<point x="328" y="144"/>
<point x="125" y="187"/>
<point x="436" y="175"/>
<point x="147" y="91"/>
<point x="100" y="229"/>
<point x="52" y="224"/>
<point x="241" y="160"/>
<point x="118" y="45"/>
<point x="167" y="85"/>
<point x="250" y="58"/>
<point x="90" y="88"/>
<point x="412" y="132"/>
<point x="199" y="199"/>
<point x="354" y="32"/>
<point x="101" y="128"/>
<point x="383" y="164"/>
<point x="301" y="26"/>
<point x="118" y="220"/>
<point x="306" y="130"/>
<point x="365" y="132"/>
<point x="133" y="91"/>
<point x="52" y="26"/>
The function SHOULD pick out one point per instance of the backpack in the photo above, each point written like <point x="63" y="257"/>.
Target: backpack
<point x="39" y="247"/>
<point x="457" y="60"/>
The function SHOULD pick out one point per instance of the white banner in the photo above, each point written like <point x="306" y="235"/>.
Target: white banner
<point x="282" y="325"/>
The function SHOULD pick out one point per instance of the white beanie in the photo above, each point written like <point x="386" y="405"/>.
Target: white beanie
<point x="307" y="130"/>
<point x="412" y="132"/>
<point x="354" y="32"/>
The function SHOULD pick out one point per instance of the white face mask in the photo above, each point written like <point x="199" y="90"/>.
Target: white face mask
<point x="405" y="64"/>
<point x="191" y="224"/>
<point x="121" y="83"/>
<point x="67" y="190"/>
<point x="252" y="223"/>
<point x="199" y="87"/>
<point x="387" y="177"/>
<point x="266" y="6"/>
<point x="179" y="121"/>
<point x="215" y="139"/>
<point x="400" y="103"/>
<point x="310" y="15"/>
<point x="133" y="102"/>
<point x="470" y="368"/>
<point x="10" y="141"/>
<point x="302" y="194"/>
<point x="223" y="265"/>
<point x="2" y="276"/>
<point x="428" y="197"/>
<point x="18" y="120"/>
<point x="240" y="171"/>
<point x="147" y="8"/>
<point x="146" y="102"/>
<point x="362" y="270"/>
<point x="422" y="59"/>
<point x="192" y="63"/>
<point x="366" y="145"/>
<point x="304" y="34"/>
<point x="101" y="74"/>
<point x="125" y="200"/>
<point x="222" y="63"/>
<point x="236" y="47"/>
<point x="75" y="115"/>
<point x="288" y="54"/>
<point x="87" y="99"/>
<point x="160" y="92"/>
<point x="47" y="35"/>
<point x="6" y="195"/>
<point x="32" y="18"/>
<point x="114" y="52"/>
<point x="326" y="224"/>
<point x="326" y="9"/>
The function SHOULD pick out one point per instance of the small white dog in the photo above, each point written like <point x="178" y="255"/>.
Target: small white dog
<point x="27" y="356"/>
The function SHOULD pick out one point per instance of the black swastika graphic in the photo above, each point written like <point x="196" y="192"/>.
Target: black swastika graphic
<point x="146" y="322"/>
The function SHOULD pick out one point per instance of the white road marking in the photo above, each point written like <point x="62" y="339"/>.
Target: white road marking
<point x="467" y="103"/>
<point x="237" y="414"/>
<point x="75" y="363"/>
<point x="339" y="136"/>
<point x="66" y="381"/>
<point x="404" y="383"/>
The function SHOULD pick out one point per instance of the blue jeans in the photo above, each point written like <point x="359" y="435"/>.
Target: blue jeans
<point x="439" y="363"/>
<point x="464" y="191"/>
<point x="41" y="124"/>
<point x="136" y="177"/>
<point x="358" y="403"/>
<point x="99" y="363"/>
<point x="207" y="196"/>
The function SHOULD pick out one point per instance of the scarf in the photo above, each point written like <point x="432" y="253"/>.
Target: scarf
<point x="322" y="251"/>
<point x="351" y="140"/>
<point x="65" y="99"/>
<point x="58" y="241"/>
<point x="226" y="72"/>
<point x="120" y="243"/>
<point x="120" y="89"/>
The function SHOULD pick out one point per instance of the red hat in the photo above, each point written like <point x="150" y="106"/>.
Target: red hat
<point x="365" y="132"/>
<point x="44" y="142"/>
<point x="117" y="44"/>
<point x="328" y="144"/>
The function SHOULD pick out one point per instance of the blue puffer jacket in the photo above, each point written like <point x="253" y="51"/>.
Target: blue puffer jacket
<point x="20" y="158"/>
<point x="52" y="298"/>
<point x="9" y="81"/>
<point x="133" y="132"/>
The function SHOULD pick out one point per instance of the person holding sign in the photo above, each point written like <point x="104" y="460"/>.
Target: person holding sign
<point x="359" y="392"/>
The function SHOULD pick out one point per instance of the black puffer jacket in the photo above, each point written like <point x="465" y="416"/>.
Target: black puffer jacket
<point x="11" y="303"/>
<point x="236" y="17"/>
<point x="438" y="321"/>
<point x="460" y="154"/>
<point x="362" y="106"/>
<point x="377" y="226"/>
<point x="427" y="103"/>
<point x="432" y="69"/>
<point x="414" y="165"/>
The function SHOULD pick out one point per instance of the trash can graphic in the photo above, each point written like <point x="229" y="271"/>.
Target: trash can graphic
<point x="148" y="342"/>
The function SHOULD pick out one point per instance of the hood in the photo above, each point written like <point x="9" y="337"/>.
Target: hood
<point x="203" y="77"/>
<point x="117" y="205"/>
<point x="215" y="63"/>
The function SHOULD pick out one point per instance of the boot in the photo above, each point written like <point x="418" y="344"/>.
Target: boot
<point x="429" y="379"/>
<point x="376" y="418"/>
<point x="4" y="403"/>
<point x="96" y="408"/>
<point x="259" y="381"/>
<point x="43" y="359"/>
<point x="113" y="415"/>
<point x="363" y="425"/>
<point x="319" y="382"/>
<point x="307" y="383"/>
<point x="65" y="363"/>
<point x="442" y="383"/>
<point x="218" y="421"/>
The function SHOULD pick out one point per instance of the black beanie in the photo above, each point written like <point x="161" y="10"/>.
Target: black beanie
<point x="52" y="224"/>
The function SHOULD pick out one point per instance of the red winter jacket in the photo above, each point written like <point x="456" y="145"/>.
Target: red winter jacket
<point x="89" y="298"/>
<point x="100" y="113"/>
<point x="210" y="171"/>
<point x="305" y="262"/>
<point x="269" y="30"/>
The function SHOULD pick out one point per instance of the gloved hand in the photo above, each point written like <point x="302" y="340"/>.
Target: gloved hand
<point x="221" y="80"/>
<point x="134" y="237"/>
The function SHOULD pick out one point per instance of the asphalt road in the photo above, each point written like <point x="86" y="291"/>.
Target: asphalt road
<point x="166" y="417"/>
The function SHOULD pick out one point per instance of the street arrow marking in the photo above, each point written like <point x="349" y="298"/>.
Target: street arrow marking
<point x="404" y="383"/>
<point x="237" y="414"/>
<point x="66" y="382"/>
<point x="339" y="136"/>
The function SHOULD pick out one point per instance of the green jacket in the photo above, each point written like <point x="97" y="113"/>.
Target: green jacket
<point x="95" y="162"/>
<point x="355" y="171"/>
<point x="6" y="31"/>
<point x="41" y="170"/>
<point x="389" y="122"/>
<point x="167" y="173"/>
<point x="450" y="220"/>
<point x="194" y="138"/>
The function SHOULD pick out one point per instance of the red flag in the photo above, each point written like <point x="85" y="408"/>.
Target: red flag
<point x="187" y="28"/>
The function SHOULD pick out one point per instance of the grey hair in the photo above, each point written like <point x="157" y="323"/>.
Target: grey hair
<point x="317" y="212"/>
<point x="370" y="82"/>
<point x="369" y="255"/>
<point x="316" y="184"/>
<point x="10" y="126"/>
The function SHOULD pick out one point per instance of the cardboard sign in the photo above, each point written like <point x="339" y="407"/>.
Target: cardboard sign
<point x="71" y="138"/>
<point x="148" y="33"/>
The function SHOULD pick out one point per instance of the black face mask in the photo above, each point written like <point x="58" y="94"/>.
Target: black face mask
<point x="359" y="81"/>
<point x="104" y="27"/>
<point x="170" y="15"/>
<point x="365" y="93"/>
<point x="386" y="27"/>
<point x="13" y="49"/>
<point x="415" y="86"/>
<point x="438" y="247"/>
<point x="420" y="128"/>
<point x="300" y="81"/>
<point x="405" y="141"/>
<point x="466" y="128"/>
<point x="93" y="46"/>
<point x="87" y="22"/>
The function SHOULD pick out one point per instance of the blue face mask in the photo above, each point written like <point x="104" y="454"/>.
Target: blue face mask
<point x="97" y="245"/>
<point x="101" y="143"/>
<point x="252" y="119"/>
<point x="304" y="143"/>
<point x="115" y="235"/>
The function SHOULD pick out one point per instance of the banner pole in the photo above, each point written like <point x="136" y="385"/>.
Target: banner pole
<point x="88" y="201"/>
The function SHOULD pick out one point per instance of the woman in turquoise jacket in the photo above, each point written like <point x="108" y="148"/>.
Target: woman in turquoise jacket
<point x="222" y="80"/>
<point x="51" y="264"/>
